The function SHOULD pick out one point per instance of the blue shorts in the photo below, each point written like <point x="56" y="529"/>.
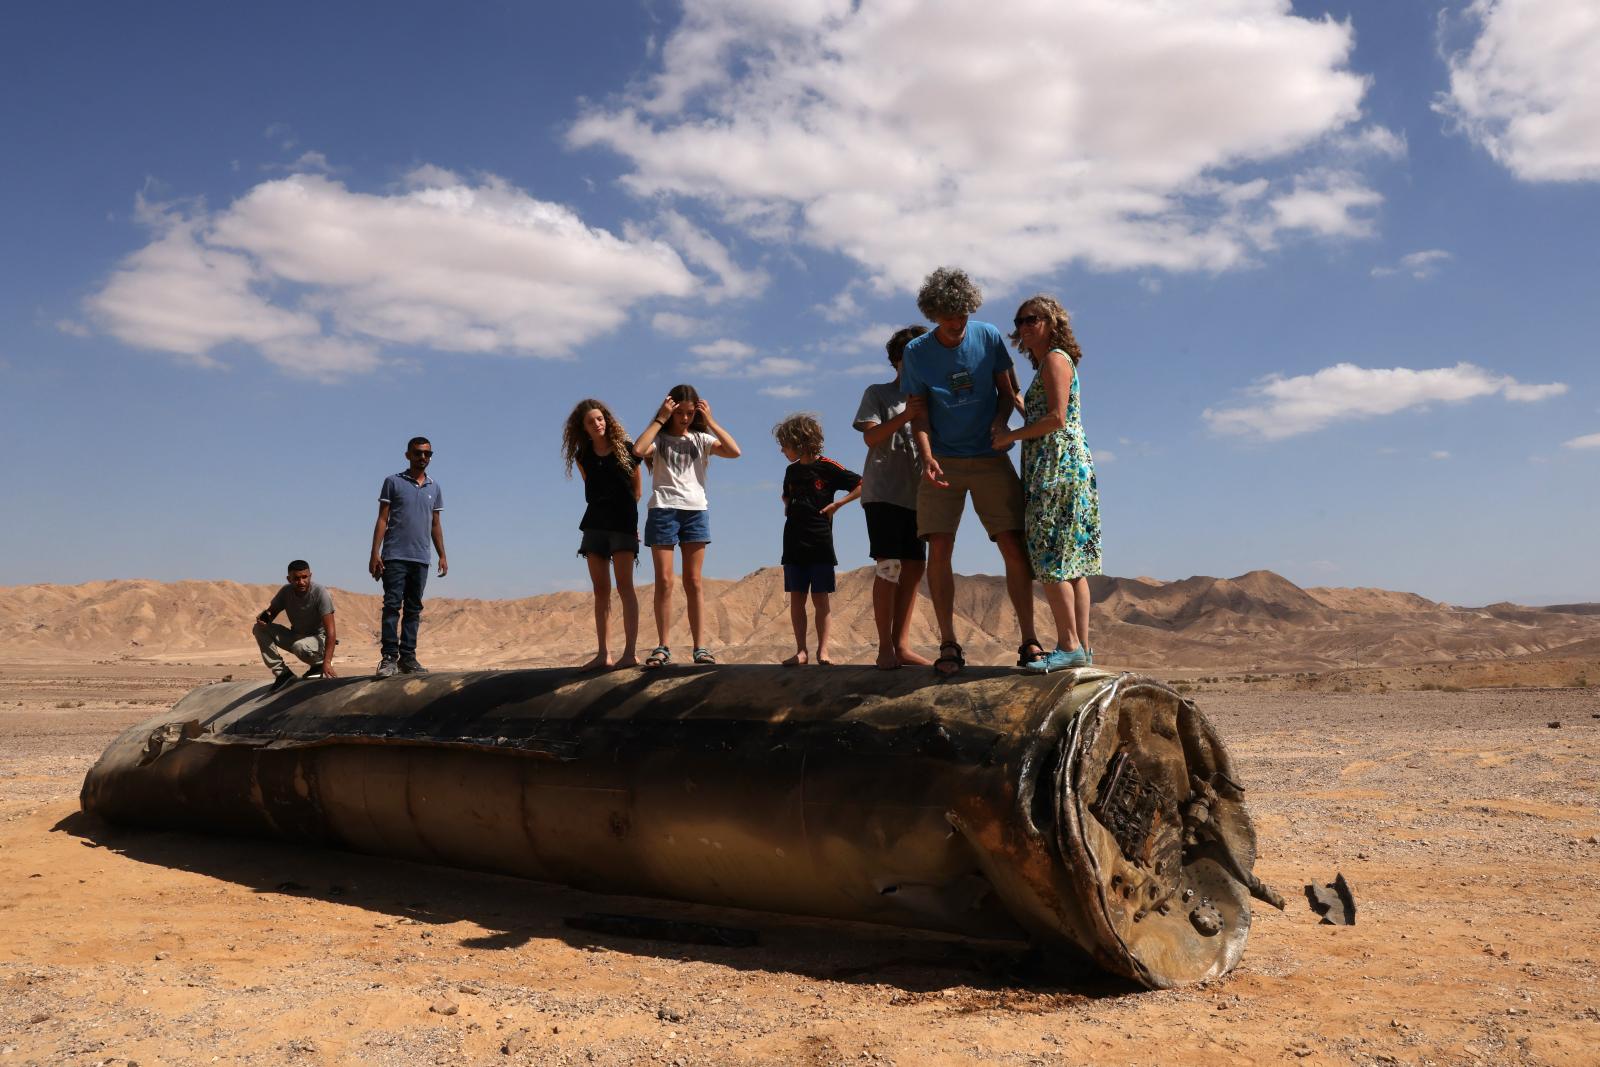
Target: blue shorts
<point x="665" y="527"/>
<point x="808" y="578"/>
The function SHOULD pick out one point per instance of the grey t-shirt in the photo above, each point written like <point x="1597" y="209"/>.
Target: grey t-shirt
<point x="892" y="470"/>
<point x="305" y="612"/>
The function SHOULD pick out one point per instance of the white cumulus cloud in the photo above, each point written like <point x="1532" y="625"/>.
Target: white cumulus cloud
<point x="675" y="324"/>
<point x="320" y="279"/>
<point x="1284" y="407"/>
<point x="1588" y="440"/>
<point x="728" y="358"/>
<point x="703" y="250"/>
<point x="1419" y="265"/>
<point x="1011" y="138"/>
<point x="1526" y="89"/>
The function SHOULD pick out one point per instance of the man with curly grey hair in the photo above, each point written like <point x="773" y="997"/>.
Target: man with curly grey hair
<point x="963" y="371"/>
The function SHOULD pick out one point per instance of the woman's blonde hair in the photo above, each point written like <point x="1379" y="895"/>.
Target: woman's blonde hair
<point x="575" y="439"/>
<point x="1060" y="327"/>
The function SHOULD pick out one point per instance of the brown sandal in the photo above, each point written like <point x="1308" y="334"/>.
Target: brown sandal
<point x="951" y="663"/>
<point x="1026" y="658"/>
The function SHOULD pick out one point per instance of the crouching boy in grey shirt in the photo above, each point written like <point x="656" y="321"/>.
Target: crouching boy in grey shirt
<point x="310" y="635"/>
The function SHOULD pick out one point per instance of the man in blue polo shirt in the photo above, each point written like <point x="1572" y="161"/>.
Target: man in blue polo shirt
<point x="963" y="370"/>
<point x="408" y="520"/>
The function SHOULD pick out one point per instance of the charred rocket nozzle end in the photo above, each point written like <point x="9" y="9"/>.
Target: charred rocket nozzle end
<point x="1156" y="835"/>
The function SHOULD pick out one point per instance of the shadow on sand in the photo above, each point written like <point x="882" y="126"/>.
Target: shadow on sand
<point x="513" y="912"/>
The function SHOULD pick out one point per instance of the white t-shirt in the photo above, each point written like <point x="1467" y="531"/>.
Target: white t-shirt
<point x="678" y="470"/>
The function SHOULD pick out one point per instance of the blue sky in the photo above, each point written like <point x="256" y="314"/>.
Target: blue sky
<point x="1333" y="267"/>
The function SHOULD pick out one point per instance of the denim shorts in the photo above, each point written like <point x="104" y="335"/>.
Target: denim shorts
<point x="665" y="527"/>
<point x="808" y="578"/>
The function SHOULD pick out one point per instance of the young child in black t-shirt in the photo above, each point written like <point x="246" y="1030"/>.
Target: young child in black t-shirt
<point x="808" y="506"/>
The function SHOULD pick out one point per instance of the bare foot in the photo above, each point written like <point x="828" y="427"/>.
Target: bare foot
<point x="799" y="659"/>
<point x="601" y="661"/>
<point x="887" y="661"/>
<point x="628" y="660"/>
<point x="909" y="658"/>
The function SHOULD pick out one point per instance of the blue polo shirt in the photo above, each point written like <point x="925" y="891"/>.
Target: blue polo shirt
<point x="409" y="535"/>
<point x="959" y="385"/>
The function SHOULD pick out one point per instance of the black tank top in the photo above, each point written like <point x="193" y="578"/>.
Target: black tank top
<point x="608" y="490"/>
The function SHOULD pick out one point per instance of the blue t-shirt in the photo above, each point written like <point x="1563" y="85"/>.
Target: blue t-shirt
<point x="959" y="385"/>
<point x="409" y="535"/>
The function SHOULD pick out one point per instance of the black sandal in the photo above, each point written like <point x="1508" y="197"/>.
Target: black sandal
<point x="659" y="656"/>
<point x="949" y="664"/>
<point x="1026" y="658"/>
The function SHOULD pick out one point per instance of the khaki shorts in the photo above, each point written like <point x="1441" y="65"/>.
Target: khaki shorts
<point x="996" y="496"/>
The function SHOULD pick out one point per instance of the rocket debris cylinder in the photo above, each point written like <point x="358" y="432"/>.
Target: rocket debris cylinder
<point x="1087" y="812"/>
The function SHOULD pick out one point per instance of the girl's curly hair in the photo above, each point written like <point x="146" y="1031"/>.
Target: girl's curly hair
<point x="1060" y="327"/>
<point x="801" y="432"/>
<point x="948" y="292"/>
<point x="575" y="439"/>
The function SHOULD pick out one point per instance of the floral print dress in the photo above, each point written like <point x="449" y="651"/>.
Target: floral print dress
<point x="1063" y="513"/>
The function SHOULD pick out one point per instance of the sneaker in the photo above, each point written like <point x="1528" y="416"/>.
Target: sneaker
<point x="312" y="673"/>
<point x="282" y="679"/>
<point x="387" y="668"/>
<point x="1058" y="659"/>
<point x="411" y="666"/>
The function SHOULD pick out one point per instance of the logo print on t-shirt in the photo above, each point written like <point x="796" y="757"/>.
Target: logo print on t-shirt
<point x="961" y="387"/>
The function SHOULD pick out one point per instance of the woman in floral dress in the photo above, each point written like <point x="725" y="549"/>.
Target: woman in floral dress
<point x="1063" y="500"/>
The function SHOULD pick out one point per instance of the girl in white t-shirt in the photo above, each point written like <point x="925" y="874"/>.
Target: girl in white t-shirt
<point x="678" y="445"/>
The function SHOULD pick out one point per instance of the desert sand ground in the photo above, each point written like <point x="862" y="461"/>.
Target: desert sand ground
<point x="1467" y="822"/>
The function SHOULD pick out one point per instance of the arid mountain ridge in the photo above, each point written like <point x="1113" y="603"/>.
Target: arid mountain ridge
<point x="1257" y="621"/>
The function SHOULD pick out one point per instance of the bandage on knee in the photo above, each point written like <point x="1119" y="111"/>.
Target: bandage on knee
<point x="888" y="570"/>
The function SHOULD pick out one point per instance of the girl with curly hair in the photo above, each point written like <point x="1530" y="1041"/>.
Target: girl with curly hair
<point x="597" y="443"/>
<point x="1061" y="493"/>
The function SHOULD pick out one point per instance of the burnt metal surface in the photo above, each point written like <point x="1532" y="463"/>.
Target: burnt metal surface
<point x="1087" y="812"/>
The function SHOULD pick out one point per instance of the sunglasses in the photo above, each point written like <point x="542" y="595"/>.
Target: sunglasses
<point x="419" y="453"/>
<point x="1026" y="320"/>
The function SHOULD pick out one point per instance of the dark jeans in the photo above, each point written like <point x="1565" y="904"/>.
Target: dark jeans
<point x="403" y="582"/>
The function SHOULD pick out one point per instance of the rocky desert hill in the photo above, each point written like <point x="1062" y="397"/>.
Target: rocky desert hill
<point x="1258" y="621"/>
